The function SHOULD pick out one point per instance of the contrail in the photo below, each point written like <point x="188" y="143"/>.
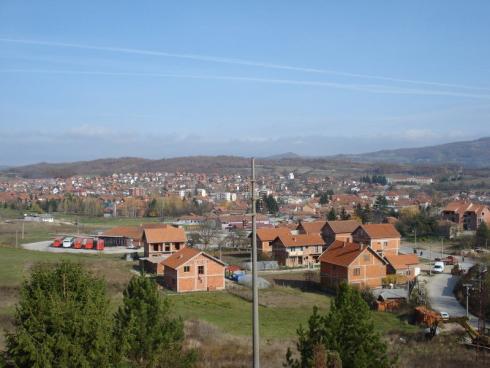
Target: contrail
<point x="239" y="62"/>
<point x="371" y="88"/>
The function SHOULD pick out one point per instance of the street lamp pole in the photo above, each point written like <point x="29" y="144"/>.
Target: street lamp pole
<point x="255" y="292"/>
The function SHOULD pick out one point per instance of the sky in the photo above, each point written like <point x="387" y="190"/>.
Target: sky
<point x="94" y="79"/>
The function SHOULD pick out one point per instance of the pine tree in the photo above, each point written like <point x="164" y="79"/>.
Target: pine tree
<point x="482" y="235"/>
<point x="62" y="320"/>
<point x="346" y="334"/>
<point x="332" y="215"/>
<point x="147" y="335"/>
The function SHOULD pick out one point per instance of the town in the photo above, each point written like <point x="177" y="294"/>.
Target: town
<point x="192" y="233"/>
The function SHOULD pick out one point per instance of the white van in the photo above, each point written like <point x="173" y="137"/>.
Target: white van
<point x="438" y="267"/>
<point x="68" y="242"/>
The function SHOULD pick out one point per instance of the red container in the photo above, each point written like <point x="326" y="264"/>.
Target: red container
<point x="88" y="243"/>
<point x="77" y="243"/>
<point x="100" y="244"/>
<point x="57" y="242"/>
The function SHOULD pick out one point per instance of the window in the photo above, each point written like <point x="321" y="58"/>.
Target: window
<point x="200" y="270"/>
<point x="366" y="257"/>
<point x="385" y="244"/>
<point x="187" y="268"/>
<point x="167" y="248"/>
<point x="357" y="271"/>
<point x="155" y="247"/>
<point x="177" y="246"/>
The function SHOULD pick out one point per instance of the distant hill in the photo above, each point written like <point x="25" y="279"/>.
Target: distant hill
<point x="425" y="160"/>
<point x="281" y="156"/>
<point x="471" y="154"/>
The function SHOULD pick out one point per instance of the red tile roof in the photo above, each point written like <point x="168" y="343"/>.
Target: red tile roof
<point x="402" y="261"/>
<point x="301" y="240"/>
<point x="380" y="231"/>
<point x="312" y="227"/>
<point x="270" y="234"/>
<point x="344" y="253"/>
<point x="168" y="234"/>
<point x="132" y="232"/>
<point x="343" y="226"/>
<point x="183" y="256"/>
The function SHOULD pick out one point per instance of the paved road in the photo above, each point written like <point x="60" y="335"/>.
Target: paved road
<point x="440" y="289"/>
<point x="44" y="246"/>
<point x="408" y="249"/>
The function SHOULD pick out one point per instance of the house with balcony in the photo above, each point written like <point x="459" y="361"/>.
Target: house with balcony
<point x="297" y="250"/>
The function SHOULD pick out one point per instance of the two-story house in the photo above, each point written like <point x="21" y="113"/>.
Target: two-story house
<point x="339" y="230"/>
<point x="191" y="269"/>
<point x="297" y="250"/>
<point x="265" y="237"/>
<point x="356" y="264"/>
<point x="159" y="243"/>
<point x="467" y="215"/>
<point x="382" y="238"/>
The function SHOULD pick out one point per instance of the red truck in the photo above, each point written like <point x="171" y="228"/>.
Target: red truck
<point x="450" y="260"/>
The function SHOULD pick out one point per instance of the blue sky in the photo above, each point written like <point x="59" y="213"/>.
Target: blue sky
<point x="84" y="80"/>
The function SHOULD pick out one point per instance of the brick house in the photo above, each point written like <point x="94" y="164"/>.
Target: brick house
<point x="266" y="236"/>
<point x="163" y="240"/>
<point x="467" y="215"/>
<point x="159" y="244"/>
<point x="355" y="264"/>
<point x="191" y="269"/>
<point x="403" y="264"/>
<point x="382" y="238"/>
<point x="339" y="230"/>
<point x="297" y="250"/>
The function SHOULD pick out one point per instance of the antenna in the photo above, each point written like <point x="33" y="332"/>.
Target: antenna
<point x="255" y="292"/>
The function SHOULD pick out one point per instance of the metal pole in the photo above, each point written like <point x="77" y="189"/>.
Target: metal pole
<point x="467" y="286"/>
<point x="256" y="338"/>
<point x="22" y="230"/>
<point x="430" y="258"/>
<point x="442" y="248"/>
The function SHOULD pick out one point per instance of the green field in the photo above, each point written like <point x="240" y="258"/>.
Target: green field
<point x="282" y="309"/>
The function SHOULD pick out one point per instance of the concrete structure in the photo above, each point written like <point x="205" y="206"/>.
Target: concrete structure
<point x="382" y="238"/>
<point x="356" y="264"/>
<point x="190" y="269"/>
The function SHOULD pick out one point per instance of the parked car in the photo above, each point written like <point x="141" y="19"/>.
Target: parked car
<point x="445" y="316"/>
<point x="438" y="267"/>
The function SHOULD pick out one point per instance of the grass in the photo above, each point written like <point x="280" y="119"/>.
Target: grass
<point x="107" y="221"/>
<point x="282" y="310"/>
<point x="232" y="313"/>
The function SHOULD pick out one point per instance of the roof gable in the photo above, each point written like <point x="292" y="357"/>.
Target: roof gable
<point x="168" y="234"/>
<point x="344" y="253"/>
<point x="185" y="255"/>
<point x="342" y="226"/>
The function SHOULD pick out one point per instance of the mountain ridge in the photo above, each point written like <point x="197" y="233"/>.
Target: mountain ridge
<point x="471" y="154"/>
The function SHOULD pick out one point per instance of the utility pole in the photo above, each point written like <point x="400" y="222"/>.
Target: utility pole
<point x="467" y="286"/>
<point x="430" y="258"/>
<point x="442" y="248"/>
<point x="16" y="238"/>
<point x="23" y="223"/>
<point x="415" y="237"/>
<point x="255" y="292"/>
